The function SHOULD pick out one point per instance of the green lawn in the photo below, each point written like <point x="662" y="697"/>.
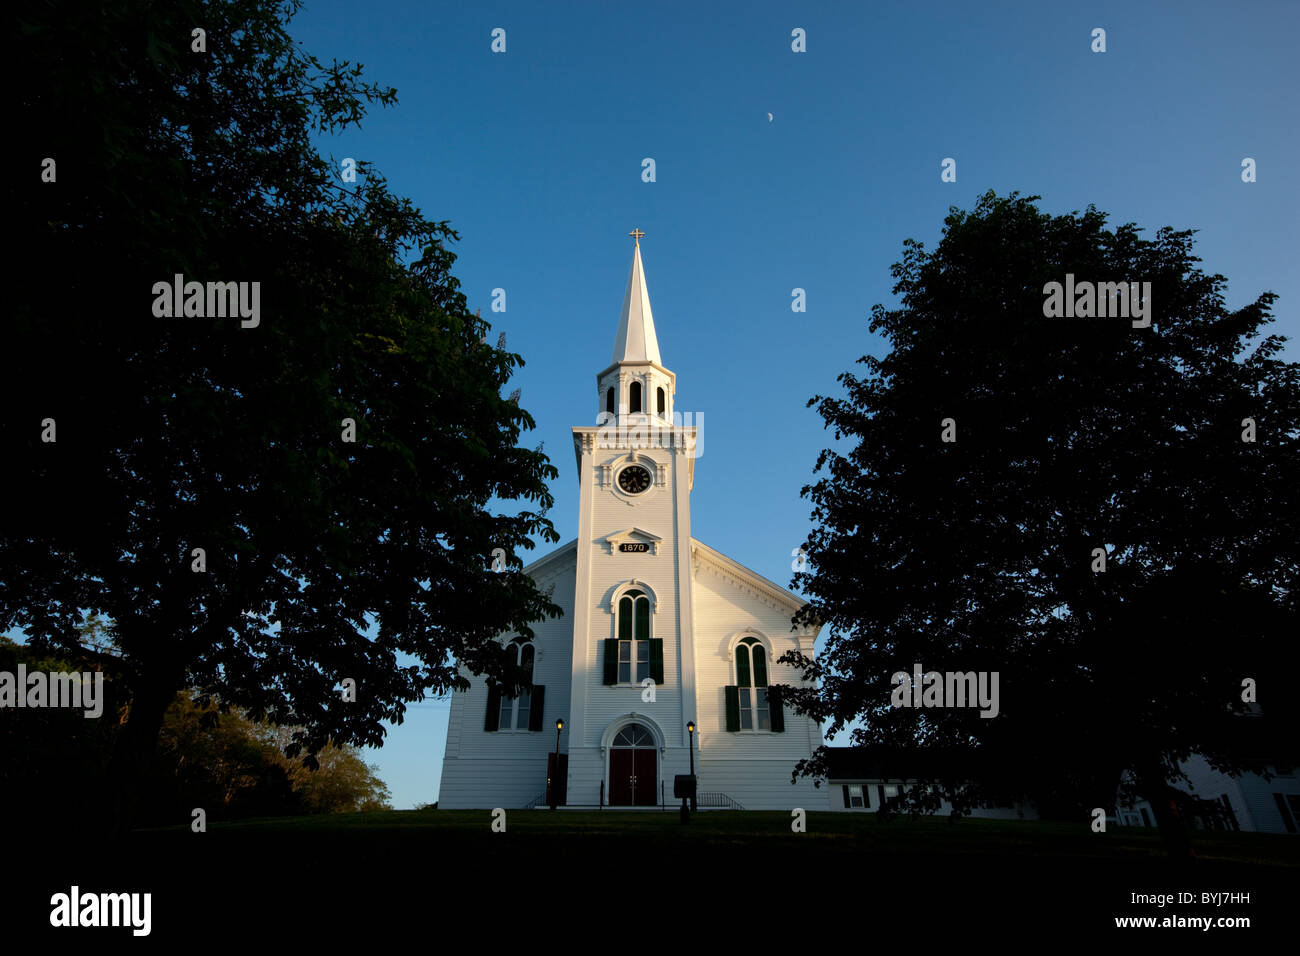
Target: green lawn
<point x="828" y="835"/>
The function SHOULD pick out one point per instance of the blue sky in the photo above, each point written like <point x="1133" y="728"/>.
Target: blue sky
<point x="535" y="156"/>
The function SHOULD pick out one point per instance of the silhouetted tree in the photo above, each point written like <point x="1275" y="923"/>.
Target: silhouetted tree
<point x="325" y="559"/>
<point x="1071" y="435"/>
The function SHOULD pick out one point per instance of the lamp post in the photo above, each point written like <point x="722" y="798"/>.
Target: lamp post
<point x="555" y="770"/>
<point x="690" y="746"/>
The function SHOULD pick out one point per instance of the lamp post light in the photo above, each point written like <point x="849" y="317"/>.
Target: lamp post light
<point x="555" y="770"/>
<point x="690" y="746"/>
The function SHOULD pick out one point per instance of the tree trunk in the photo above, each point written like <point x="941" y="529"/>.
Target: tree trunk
<point x="1153" y="784"/>
<point x="128" y="767"/>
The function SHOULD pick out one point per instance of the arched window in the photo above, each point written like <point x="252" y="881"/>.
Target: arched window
<point x="751" y="680"/>
<point x="662" y="406"/>
<point x="633" y="653"/>
<point x="752" y="704"/>
<point x="514" y="710"/>
<point x="609" y="400"/>
<point x="633" y="637"/>
<point x="634" y="397"/>
<point x="523" y="712"/>
<point x="634" y="735"/>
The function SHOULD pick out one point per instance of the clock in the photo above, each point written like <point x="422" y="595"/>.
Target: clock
<point x="634" y="479"/>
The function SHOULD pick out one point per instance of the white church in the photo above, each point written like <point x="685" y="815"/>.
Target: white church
<point x="659" y="632"/>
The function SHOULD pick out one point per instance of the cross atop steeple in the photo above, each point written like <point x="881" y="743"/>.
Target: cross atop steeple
<point x="637" y="234"/>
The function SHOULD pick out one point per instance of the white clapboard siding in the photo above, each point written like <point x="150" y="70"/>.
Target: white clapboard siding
<point x="1250" y="794"/>
<point x="508" y="768"/>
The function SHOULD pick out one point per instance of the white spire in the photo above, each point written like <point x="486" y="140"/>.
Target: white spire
<point x="636" y="341"/>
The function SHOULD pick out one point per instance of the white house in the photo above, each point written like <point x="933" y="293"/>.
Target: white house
<point x="865" y="779"/>
<point x="659" y="630"/>
<point x="1249" y="802"/>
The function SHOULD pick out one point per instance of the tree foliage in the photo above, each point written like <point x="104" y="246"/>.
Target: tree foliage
<point x="325" y="560"/>
<point x="1071" y="435"/>
<point x="55" y="759"/>
<point x="235" y="767"/>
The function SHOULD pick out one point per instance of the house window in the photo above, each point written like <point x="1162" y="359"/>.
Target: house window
<point x="609" y="400"/>
<point x="751" y="679"/>
<point x="662" y="405"/>
<point x="514" y="710"/>
<point x="632" y="654"/>
<point x="751" y="703"/>
<point x="634" y="735"/>
<point x="633" y="397"/>
<point x="633" y="637"/>
<point x="523" y="712"/>
<point x="853" y="799"/>
<point x="1288" y="806"/>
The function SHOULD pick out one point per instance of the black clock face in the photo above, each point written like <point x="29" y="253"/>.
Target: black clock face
<point x="634" y="479"/>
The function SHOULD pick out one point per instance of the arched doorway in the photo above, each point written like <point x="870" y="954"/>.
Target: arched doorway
<point x="633" y="768"/>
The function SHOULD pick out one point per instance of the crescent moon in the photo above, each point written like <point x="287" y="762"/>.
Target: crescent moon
<point x="769" y="117"/>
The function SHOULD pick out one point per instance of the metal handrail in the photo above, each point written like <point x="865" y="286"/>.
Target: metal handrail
<point x="716" y="801"/>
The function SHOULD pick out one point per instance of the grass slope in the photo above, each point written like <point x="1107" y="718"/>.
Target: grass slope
<point x="338" y="877"/>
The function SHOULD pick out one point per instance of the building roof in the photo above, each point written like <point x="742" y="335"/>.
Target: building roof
<point x="887" y="763"/>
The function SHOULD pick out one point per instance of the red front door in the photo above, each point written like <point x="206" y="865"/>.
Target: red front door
<point x="633" y="778"/>
<point x="647" y="781"/>
<point x="620" y="777"/>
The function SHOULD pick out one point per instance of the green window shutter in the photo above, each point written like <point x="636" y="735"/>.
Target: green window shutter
<point x="657" y="661"/>
<point x="537" y="701"/>
<point x="847" y="805"/>
<point x="611" y="660"/>
<point x="774" y="705"/>
<point x="760" y="665"/>
<point x="643" y="619"/>
<point x="733" y="707"/>
<point x="493" y="708"/>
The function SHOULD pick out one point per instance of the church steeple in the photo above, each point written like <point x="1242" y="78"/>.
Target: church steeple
<point x="636" y="386"/>
<point x="636" y="340"/>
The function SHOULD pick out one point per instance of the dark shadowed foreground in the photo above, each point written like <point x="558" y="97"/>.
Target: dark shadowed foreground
<point x="377" y="876"/>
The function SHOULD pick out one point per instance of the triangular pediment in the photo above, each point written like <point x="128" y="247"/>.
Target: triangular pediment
<point x="747" y="580"/>
<point x="637" y="539"/>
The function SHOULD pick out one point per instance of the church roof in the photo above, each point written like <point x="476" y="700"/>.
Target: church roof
<point x="636" y="340"/>
<point x="571" y="547"/>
